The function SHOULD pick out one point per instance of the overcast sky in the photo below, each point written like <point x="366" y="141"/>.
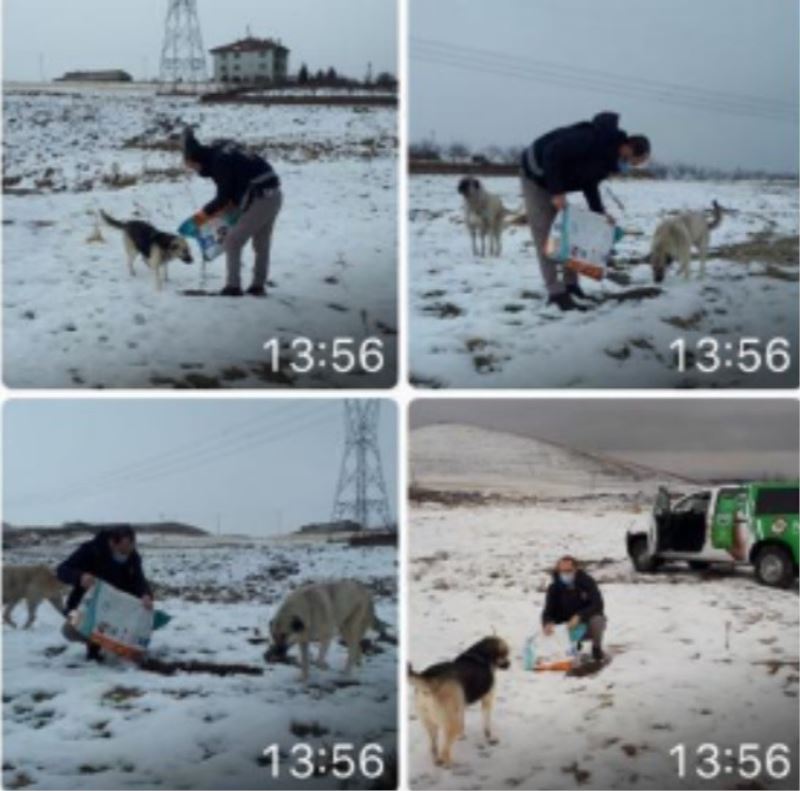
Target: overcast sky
<point x="128" y="34"/>
<point x="733" y="46"/>
<point x="704" y="438"/>
<point x="263" y="466"/>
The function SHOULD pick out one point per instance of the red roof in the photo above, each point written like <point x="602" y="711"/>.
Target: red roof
<point x="251" y="44"/>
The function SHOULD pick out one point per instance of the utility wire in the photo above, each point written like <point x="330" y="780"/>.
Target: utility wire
<point x="95" y="486"/>
<point x="534" y="71"/>
<point x="578" y="71"/>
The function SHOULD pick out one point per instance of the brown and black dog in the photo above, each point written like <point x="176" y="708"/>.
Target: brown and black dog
<point x="443" y="691"/>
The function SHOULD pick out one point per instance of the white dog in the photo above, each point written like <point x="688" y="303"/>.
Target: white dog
<point x="316" y="613"/>
<point x="674" y="238"/>
<point x="484" y="215"/>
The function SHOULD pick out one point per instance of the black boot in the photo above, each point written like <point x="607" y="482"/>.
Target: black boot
<point x="575" y="290"/>
<point x="597" y="653"/>
<point x="231" y="291"/>
<point x="565" y="302"/>
<point x="256" y="291"/>
<point x="93" y="653"/>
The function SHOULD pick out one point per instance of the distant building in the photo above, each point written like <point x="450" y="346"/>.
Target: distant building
<point x="251" y="60"/>
<point x="113" y="75"/>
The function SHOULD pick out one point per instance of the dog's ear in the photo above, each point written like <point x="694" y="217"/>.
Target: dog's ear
<point x="296" y="624"/>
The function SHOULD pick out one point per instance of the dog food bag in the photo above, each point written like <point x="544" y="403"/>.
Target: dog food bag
<point x="114" y="620"/>
<point x="210" y="232"/>
<point x="557" y="651"/>
<point x="582" y="240"/>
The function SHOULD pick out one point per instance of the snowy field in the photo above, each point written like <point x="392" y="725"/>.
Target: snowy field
<point x="672" y="678"/>
<point x="483" y="322"/>
<point x="73" y="316"/>
<point x="696" y="657"/>
<point x="72" y="724"/>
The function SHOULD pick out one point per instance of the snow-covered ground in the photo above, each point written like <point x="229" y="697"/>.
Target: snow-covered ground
<point x="457" y="458"/>
<point x="696" y="657"/>
<point x="69" y="724"/>
<point x="483" y="322"/>
<point x="672" y="677"/>
<point x="73" y="317"/>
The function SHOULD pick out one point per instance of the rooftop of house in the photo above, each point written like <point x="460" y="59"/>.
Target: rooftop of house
<point x="250" y="44"/>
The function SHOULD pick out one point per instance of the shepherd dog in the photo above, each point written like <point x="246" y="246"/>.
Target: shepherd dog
<point x="316" y="613"/>
<point x="674" y="238"/>
<point x="443" y="691"/>
<point x="156" y="247"/>
<point x="484" y="215"/>
<point x="35" y="584"/>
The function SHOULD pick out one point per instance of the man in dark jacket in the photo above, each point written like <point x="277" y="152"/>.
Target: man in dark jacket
<point x="572" y="598"/>
<point x="573" y="159"/>
<point x="247" y="182"/>
<point x="110" y="556"/>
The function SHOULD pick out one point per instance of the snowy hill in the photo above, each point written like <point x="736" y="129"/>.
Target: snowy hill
<point x="468" y="458"/>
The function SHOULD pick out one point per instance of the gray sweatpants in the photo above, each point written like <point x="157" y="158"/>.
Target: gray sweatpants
<point x="596" y="628"/>
<point x="256" y="223"/>
<point x="541" y="213"/>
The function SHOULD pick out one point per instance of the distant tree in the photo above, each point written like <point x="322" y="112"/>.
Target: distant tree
<point x="425" y="149"/>
<point x="386" y="80"/>
<point x="320" y="75"/>
<point x="458" y="152"/>
<point x="332" y="75"/>
<point x="302" y="74"/>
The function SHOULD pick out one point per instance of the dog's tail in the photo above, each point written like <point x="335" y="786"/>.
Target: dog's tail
<point x="379" y="626"/>
<point x="518" y="217"/>
<point x="107" y="218"/>
<point x="716" y="216"/>
<point x="417" y="680"/>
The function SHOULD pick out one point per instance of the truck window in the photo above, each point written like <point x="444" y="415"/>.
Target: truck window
<point x="778" y="501"/>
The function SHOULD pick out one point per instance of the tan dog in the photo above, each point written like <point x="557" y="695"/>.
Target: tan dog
<point x="484" y="215"/>
<point x="35" y="584"/>
<point x="316" y="613"/>
<point x="674" y="238"/>
<point x="443" y="691"/>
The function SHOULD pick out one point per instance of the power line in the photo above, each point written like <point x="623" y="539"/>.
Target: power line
<point x="581" y="71"/>
<point x="529" y="75"/>
<point x="225" y="436"/>
<point x="540" y="71"/>
<point x="262" y="436"/>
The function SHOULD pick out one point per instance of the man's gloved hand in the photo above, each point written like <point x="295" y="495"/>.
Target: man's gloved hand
<point x="611" y="220"/>
<point x="147" y="601"/>
<point x="87" y="580"/>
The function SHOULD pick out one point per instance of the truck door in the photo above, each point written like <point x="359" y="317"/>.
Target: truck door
<point x="728" y="520"/>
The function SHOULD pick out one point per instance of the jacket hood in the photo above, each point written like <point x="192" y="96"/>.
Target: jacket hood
<point x="607" y="126"/>
<point x="193" y="150"/>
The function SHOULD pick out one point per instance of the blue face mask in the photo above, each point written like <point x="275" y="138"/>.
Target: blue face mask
<point x="567" y="578"/>
<point x="623" y="166"/>
<point x="118" y="557"/>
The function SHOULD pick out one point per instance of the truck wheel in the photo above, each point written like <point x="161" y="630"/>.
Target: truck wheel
<point x="641" y="558"/>
<point x="773" y="566"/>
<point x="699" y="565"/>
